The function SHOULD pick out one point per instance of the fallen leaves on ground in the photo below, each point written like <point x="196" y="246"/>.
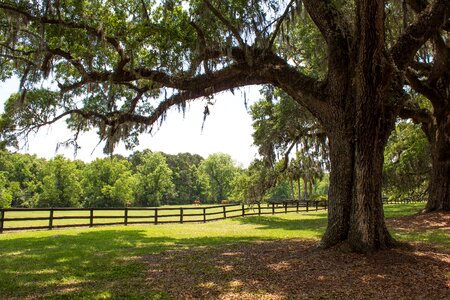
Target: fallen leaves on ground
<point x="297" y="269"/>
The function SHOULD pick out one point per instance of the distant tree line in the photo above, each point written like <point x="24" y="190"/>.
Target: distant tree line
<point x="142" y="179"/>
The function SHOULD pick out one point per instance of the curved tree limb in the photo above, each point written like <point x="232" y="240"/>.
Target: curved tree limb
<point x="419" y="116"/>
<point x="428" y="22"/>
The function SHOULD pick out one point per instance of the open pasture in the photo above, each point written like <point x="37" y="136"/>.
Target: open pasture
<point x="257" y="257"/>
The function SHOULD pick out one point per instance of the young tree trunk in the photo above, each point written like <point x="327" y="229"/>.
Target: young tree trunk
<point x="291" y="185"/>
<point x="439" y="189"/>
<point x="299" y="186"/>
<point x="310" y="187"/>
<point x="305" y="188"/>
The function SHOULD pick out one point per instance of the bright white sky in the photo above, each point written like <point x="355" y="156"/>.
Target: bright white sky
<point x="227" y="129"/>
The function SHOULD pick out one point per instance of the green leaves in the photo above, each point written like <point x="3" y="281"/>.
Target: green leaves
<point x="154" y="179"/>
<point x="61" y="184"/>
<point x="407" y="162"/>
<point x="218" y="172"/>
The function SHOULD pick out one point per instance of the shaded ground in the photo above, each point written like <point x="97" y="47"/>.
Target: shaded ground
<point x="296" y="269"/>
<point x="421" y="222"/>
<point x="273" y="257"/>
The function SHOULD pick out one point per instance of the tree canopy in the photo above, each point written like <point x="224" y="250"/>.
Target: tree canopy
<point x="120" y="65"/>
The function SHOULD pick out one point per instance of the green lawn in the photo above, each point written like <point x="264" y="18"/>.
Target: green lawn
<point x="104" y="262"/>
<point x="146" y="215"/>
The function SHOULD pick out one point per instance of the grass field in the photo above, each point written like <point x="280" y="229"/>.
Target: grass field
<point x="190" y="213"/>
<point x="109" y="262"/>
<point x="81" y="217"/>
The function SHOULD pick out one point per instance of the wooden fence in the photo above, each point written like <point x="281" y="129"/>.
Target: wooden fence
<point x="15" y="219"/>
<point x="403" y="201"/>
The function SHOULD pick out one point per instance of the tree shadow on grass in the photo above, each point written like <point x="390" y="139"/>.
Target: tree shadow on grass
<point x="314" y="224"/>
<point x="295" y="269"/>
<point x="95" y="264"/>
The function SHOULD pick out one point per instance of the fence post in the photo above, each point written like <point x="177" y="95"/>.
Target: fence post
<point x="317" y="205"/>
<point x="285" y="207"/>
<point x="181" y="215"/>
<point x="298" y="203"/>
<point x="243" y="210"/>
<point x="307" y="204"/>
<point x="91" y="218"/>
<point x="273" y="208"/>
<point x="259" y="209"/>
<point x="156" y="216"/>
<point x="50" y="220"/>
<point x="2" y="219"/>
<point x="204" y="215"/>
<point x="125" y="216"/>
<point x="224" y="212"/>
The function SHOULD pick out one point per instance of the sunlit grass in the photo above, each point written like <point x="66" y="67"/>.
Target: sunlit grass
<point x="107" y="262"/>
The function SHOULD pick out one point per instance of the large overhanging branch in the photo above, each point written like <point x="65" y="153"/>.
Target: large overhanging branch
<point x="423" y="88"/>
<point x="116" y="118"/>
<point x="310" y="91"/>
<point x="428" y="22"/>
<point x="419" y="116"/>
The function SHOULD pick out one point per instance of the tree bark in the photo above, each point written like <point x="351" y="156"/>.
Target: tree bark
<point x="373" y="123"/>
<point x="439" y="188"/>
<point x="340" y="192"/>
<point x="368" y="231"/>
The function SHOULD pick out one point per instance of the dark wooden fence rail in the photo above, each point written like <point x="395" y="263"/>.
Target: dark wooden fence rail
<point x="49" y="218"/>
<point x="403" y="201"/>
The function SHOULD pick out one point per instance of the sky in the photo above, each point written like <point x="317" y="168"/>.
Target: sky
<point x="227" y="129"/>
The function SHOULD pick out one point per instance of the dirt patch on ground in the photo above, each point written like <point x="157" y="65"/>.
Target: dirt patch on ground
<point x="297" y="269"/>
<point x="421" y="222"/>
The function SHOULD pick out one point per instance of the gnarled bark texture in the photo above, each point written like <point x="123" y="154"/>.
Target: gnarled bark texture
<point x="439" y="138"/>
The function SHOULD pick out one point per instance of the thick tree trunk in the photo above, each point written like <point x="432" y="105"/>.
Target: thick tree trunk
<point x="373" y="122"/>
<point x="439" y="188"/>
<point x="368" y="231"/>
<point x="341" y="186"/>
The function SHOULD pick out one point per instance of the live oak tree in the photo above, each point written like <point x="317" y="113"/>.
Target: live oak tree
<point x="111" y="58"/>
<point x="429" y="75"/>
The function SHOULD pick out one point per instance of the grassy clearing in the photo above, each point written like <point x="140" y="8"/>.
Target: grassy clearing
<point x="104" y="263"/>
<point x="164" y="214"/>
<point x="190" y="213"/>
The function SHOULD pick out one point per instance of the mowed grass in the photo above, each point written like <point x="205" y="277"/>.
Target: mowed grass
<point x="107" y="262"/>
<point x="147" y="215"/>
